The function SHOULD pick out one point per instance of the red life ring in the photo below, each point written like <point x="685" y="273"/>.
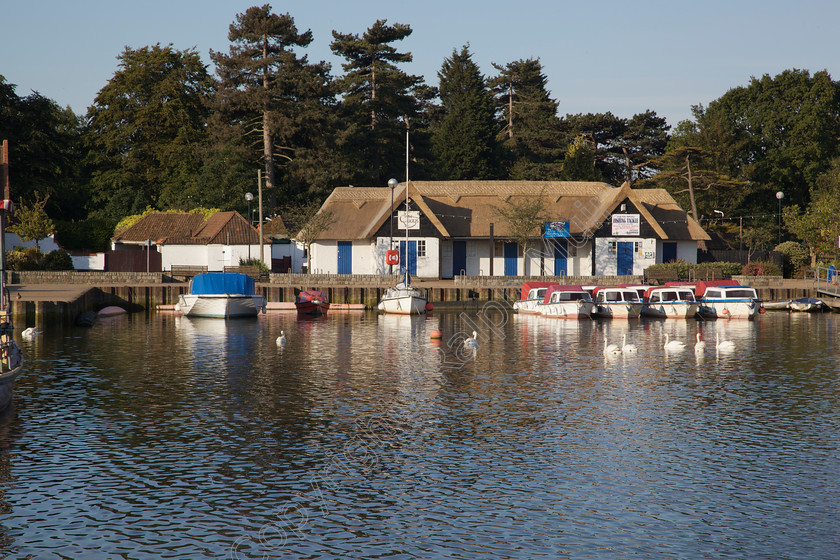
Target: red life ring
<point x="392" y="256"/>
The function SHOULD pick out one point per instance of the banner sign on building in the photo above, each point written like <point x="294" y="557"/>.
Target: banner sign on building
<point x="556" y="229"/>
<point x="626" y="224"/>
<point x="408" y="220"/>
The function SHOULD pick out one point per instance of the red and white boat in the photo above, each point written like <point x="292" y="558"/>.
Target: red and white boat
<point x="532" y="294"/>
<point x="727" y="299"/>
<point x="311" y="302"/>
<point x="567" y="302"/>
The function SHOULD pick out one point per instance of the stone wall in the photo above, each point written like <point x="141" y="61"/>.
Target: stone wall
<point x="92" y="278"/>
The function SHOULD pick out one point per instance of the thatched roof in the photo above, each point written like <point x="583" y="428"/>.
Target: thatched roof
<point x="186" y="228"/>
<point x="465" y="209"/>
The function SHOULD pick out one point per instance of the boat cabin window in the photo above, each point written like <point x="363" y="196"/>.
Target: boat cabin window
<point x="741" y="293"/>
<point x="713" y="294"/>
<point x="687" y="295"/>
<point x="537" y="293"/>
<point x="569" y="296"/>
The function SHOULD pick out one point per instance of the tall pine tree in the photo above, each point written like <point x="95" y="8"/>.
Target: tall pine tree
<point x="464" y="140"/>
<point x="377" y="97"/>
<point x="532" y="128"/>
<point x="275" y="98"/>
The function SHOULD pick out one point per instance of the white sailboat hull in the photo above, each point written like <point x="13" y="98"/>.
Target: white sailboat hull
<point x="403" y="301"/>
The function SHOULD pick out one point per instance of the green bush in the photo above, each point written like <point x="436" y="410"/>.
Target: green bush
<point x="254" y="261"/>
<point x="727" y="269"/>
<point x="795" y="258"/>
<point x="24" y="258"/>
<point x="57" y="260"/>
<point x="759" y="268"/>
<point x="93" y="234"/>
<point x="30" y="258"/>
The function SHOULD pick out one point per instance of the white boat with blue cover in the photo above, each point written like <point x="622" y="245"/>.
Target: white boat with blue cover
<point x="222" y="295"/>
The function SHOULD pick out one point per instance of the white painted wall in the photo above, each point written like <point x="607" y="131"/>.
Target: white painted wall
<point x="686" y="251"/>
<point x="47" y="245"/>
<point x="214" y="257"/>
<point x="293" y="249"/>
<point x="93" y="261"/>
<point x="607" y="261"/>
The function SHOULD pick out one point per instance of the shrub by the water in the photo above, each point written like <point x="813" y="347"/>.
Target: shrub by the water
<point x="759" y="268"/>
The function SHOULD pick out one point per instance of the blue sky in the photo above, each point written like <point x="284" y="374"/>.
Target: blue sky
<point x="619" y="56"/>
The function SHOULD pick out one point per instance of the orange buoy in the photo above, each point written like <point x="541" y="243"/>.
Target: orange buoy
<point x="436" y="334"/>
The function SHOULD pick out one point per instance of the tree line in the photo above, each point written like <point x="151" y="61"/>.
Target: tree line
<point x="164" y="133"/>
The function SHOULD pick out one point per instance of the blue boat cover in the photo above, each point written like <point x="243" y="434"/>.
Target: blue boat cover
<point x="225" y="283"/>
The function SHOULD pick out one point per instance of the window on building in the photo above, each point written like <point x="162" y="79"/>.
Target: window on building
<point x="421" y="248"/>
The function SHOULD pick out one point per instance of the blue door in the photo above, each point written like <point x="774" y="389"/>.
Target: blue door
<point x="345" y="257"/>
<point x="625" y="258"/>
<point x="560" y="253"/>
<point x="669" y="252"/>
<point x="459" y="257"/>
<point x="410" y="260"/>
<point x="511" y="259"/>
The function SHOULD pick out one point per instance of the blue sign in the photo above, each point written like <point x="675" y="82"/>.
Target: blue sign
<point x="556" y="229"/>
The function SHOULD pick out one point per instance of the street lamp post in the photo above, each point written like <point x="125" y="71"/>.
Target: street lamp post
<point x="249" y="197"/>
<point x="780" y="195"/>
<point x="392" y="183"/>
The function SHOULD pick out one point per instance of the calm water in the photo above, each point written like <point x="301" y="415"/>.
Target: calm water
<point x="164" y="437"/>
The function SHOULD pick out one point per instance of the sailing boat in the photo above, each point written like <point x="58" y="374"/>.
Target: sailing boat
<point x="404" y="299"/>
<point x="11" y="357"/>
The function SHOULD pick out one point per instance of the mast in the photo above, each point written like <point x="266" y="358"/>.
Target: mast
<point x="406" y="201"/>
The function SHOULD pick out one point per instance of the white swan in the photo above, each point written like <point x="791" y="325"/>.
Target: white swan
<point x="471" y="342"/>
<point x="700" y="346"/>
<point x="627" y="348"/>
<point x="673" y="345"/>
<point x="611" y="349"/>
<point x="725" y="345"/>
<point x="281" y="340"/>
<point x="29" y="333"/>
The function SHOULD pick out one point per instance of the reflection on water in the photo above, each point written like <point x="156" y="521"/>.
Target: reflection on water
<point x="167" y="437"/>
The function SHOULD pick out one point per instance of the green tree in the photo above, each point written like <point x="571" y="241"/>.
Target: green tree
<point x="643" y="140"/>
<point x="625" y="149"/>
<point x="600" y="131"/>
<point x="579" y="162"/>
<point x="44" y="146"/>
<point x="464" y="140"/>
<point x="819" y="224"/>
<point x="144" y="130"/>
<point x="274" y="98"/>
<point x="31" y="222"/>
<point x="377" y="98"/>
<point x="785" y="129"/>
<point x="532" y="129"/>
